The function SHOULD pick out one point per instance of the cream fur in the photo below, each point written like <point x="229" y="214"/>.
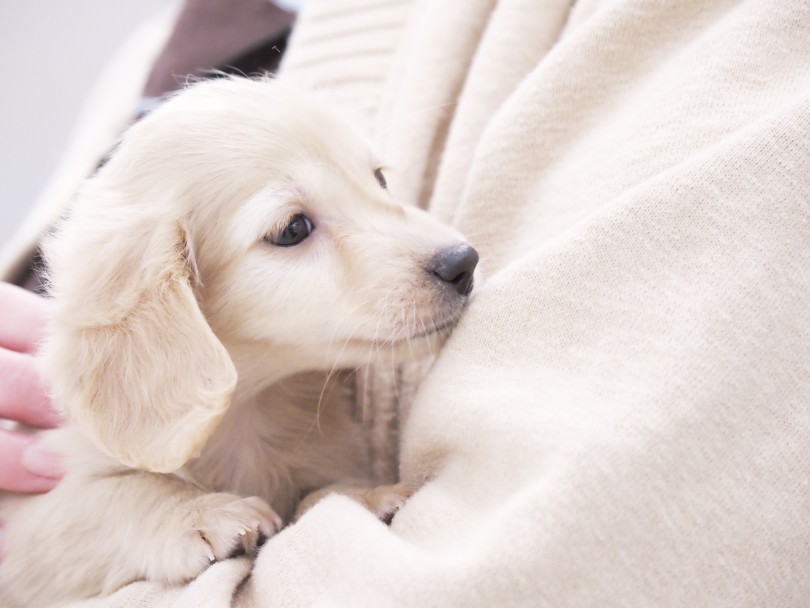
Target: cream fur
<point x="178" y="331"/>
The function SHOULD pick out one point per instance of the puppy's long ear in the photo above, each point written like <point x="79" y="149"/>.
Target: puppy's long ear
<point x="131" y="358"/>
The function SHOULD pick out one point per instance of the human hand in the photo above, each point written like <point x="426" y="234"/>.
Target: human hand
<point x="25" y="465"/>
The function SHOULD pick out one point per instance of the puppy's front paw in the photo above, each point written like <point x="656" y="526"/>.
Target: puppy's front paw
<point x="383" y="501"/>
<point x="219" y="526"/>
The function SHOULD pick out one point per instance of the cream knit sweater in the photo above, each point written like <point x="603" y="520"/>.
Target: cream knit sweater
<point x="622" y="416"/>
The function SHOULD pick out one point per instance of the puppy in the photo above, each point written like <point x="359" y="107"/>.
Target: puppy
<point x="240" y="234"/>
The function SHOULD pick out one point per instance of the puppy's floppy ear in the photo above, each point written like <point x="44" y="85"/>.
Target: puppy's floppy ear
<point x="131" y="358"/>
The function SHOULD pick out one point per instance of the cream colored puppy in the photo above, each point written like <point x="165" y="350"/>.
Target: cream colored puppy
<point x="240" y="234"/>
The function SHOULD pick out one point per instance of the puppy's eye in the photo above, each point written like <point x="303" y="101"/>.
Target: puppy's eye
<point x="381" y="179"/>
<point x="298" y="228"/>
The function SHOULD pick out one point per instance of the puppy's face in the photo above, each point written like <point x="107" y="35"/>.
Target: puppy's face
<point x="241" y="219"/>
<point x="309" y="249"/>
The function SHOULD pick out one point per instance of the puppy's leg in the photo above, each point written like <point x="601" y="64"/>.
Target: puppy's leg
<point x="93" y="534"/>
<point x="383" y="501"/>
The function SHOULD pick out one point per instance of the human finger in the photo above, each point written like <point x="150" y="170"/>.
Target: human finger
<point x="23" y="316"/>
<point x="26" y="465"/>
<point x="22" y="396"/>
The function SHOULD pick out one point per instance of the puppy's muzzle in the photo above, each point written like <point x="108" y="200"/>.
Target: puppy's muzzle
<point x="454" y="267"/>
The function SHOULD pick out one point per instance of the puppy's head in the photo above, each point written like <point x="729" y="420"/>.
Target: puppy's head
<point x="242" y="217"/>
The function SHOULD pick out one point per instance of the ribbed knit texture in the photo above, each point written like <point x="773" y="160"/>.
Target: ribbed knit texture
<point x="621" y="417"/>
<point x="345" y="50"/>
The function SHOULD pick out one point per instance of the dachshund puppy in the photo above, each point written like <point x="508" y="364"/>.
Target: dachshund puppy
<point x="240" y="235"/>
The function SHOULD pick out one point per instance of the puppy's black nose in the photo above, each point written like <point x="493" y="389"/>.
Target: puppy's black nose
<point x="454" y="266"/>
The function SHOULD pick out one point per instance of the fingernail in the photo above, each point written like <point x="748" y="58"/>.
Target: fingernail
<point x="39" y="460"/>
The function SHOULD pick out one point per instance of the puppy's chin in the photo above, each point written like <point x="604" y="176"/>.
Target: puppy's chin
<point x="360" y="351"/>
<point x="412" y="349"/>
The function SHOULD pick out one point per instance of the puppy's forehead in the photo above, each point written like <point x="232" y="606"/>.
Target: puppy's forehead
<point x="266" y="116"/>
<point x="227" y="140"/>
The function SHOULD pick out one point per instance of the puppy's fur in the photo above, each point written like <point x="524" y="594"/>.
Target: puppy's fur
<point x="178" y="323"/>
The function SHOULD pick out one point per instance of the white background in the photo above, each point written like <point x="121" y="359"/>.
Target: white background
<point x="51" y="53"/>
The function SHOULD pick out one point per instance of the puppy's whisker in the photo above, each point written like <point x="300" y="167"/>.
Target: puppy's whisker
<point x="334" y="368"/>
<point x="316" y="421"/>
<point x="395" y="364"/>
<point x="377" y="345"/>
<point x="410" y="341"/>
<point x="384" y="308"/>
<point x="318" y="408"/>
